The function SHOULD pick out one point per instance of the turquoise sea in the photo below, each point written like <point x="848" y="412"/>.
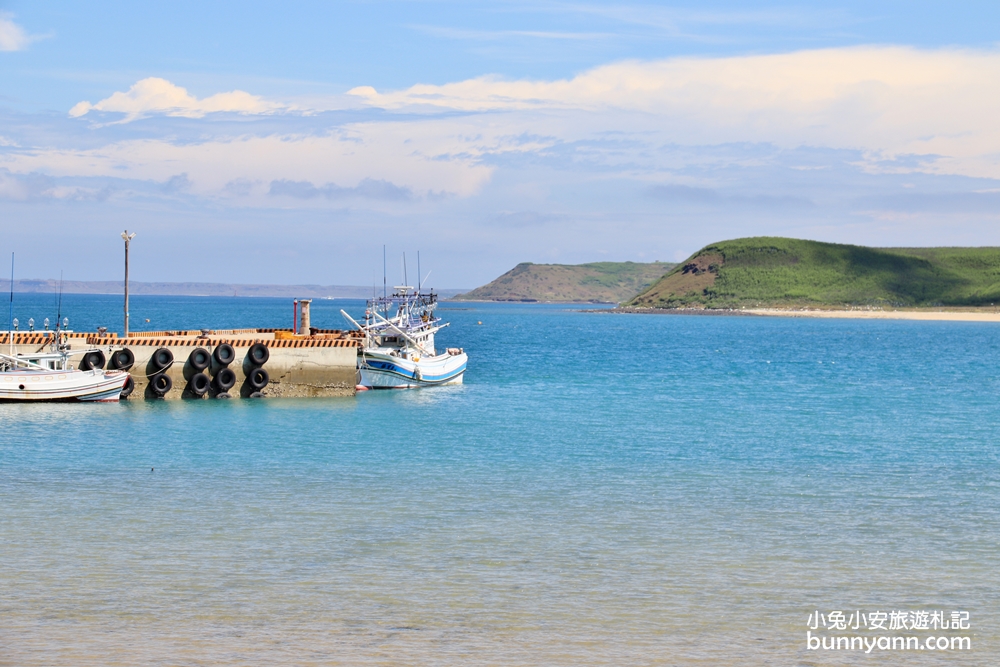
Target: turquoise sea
<point x="604" y="490"/>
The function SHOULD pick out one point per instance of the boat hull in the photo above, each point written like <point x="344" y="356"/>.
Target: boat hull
<point x="41" y="385"/>
<point x="384" y="371"/>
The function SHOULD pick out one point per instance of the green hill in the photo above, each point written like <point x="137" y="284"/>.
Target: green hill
<point x="772" y="271"/>
<point x="598" y="282"/>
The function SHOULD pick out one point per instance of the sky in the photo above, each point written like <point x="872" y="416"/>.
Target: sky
<point x="252" y="143"/>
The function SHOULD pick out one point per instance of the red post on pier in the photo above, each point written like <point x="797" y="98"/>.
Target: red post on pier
<point x="295" y="316"/>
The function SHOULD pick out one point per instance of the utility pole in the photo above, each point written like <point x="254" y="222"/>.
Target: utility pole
<point x="128" y="239"/>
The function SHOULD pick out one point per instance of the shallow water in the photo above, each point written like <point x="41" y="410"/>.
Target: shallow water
<point x="604" y="489"/>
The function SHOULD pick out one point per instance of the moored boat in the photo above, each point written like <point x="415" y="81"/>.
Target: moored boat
<point x="398" y="350"/>
<point x="50" y="377"/>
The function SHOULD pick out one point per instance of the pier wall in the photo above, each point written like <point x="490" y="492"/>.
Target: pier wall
<point x="324" y="364"/>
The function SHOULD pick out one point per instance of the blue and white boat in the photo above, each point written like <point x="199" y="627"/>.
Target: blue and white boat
<point x="398" y="348"/>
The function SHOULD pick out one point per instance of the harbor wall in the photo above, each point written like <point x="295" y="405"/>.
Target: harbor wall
<point x="319" y="365"/>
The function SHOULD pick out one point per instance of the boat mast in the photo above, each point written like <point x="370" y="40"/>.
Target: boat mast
<point x="59" y="314"/>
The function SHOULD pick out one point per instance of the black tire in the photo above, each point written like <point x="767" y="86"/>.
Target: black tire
<point x="161" y="383"/>
<point x="122" y="359"/>
<point x="128" y="387"/>
<point x="199" y="384"/>
<point x="256" y="394"/>
<point x="225" y="380"/>
<point x="200" y="359"/>
<point x="223" y="396"/>
<point x="259" y="378"/>
<point x="92" y="360"/>
<point x="258" y="354"/>
<point x="224" y="354"/>
<point x="162" y="358"/>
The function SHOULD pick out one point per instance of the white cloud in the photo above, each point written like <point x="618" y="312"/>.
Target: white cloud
<point x="889" y="101"/>
<point x="12" y="188"/>
<point x="158" y="96"/>
<point x="905" y="110"/>
<point x="424" y="159"/>
<point x="35" y="187"/>
<point x="12" y="36"/>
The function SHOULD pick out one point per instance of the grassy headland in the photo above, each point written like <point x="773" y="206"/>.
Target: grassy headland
<point x="598" y="282"/>
<point x="780" y="272"/>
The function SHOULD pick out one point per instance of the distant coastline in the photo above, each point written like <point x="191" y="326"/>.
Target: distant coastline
<point x="49" y="286"/>
<point x="988" y="314"/>
<point x="596" y="283"/>
<point x="798" y="275"/>
<point x="594" y="302"/>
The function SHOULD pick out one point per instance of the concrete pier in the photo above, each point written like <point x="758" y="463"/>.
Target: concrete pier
<point x="322" y="364"/>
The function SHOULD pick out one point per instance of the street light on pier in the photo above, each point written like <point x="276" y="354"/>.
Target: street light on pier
<point x="128" y="239"/>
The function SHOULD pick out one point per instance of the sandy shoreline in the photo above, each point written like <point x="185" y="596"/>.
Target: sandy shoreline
<point x="928" y="315"/>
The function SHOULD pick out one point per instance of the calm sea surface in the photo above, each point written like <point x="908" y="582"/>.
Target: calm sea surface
<point x="603" y="490"/>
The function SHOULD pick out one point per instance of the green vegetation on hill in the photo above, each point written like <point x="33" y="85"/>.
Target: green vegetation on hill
<point x="598" y="282"/>
<point x="772" y="271"/>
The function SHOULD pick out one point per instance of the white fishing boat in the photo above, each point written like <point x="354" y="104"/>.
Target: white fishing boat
<point x="398" y="350"/>
<point x="50" y="376"/>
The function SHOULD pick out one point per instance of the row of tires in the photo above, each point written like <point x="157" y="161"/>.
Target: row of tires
<point x="200" y="361"/>
<point x="121" y="360"/>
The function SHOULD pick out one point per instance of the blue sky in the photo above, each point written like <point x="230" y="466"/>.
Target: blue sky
<point x="249" y="143"/>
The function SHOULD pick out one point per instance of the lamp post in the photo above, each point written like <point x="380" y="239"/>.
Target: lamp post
<point x="128" y="239"/>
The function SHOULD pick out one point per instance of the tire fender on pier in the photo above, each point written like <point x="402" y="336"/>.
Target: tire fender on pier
<point x="225" y="380"/>
<point x="122" y="359"/>
<point x="199" y="383"/>
<point x="199" y="359"/>
<point x="161" y="383"/>
<point x="258" y="379"/>
<point x="224" y="354"/>
<point x="92" y="361"/>
<point x="162" y="358"/>
<point x="258" y="354"/>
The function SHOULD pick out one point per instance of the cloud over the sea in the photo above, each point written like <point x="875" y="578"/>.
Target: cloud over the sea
<point x="889" y="101"/>
<point x="905" y="110"/>
<point x="153" y="95"/>
<point x="12" y="36"/>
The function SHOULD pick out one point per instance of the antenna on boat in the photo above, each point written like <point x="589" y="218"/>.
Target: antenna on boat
<point x="384" y="295"/>
<point x="420" y="283"/>
<point x="404" y="269"/>
<point x="10" y="327"/>
<point x="59" y="306"/>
